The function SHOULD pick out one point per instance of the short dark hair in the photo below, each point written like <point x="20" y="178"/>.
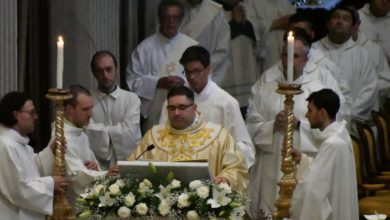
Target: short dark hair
<point x="12" y="101"/>
<point x="195" y="53"/>
<point x="326" y="99"/>
<point x="300" y="17"/>
<point x="164" y="4"/>
<point x="348" y="8"/>
<point x="76" y="90"/>
<point x="181" y="91"/>
<point x="299" y="34"/>
<point x="98" y="54"/>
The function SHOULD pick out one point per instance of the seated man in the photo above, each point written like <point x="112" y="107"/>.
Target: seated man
<point x="327" y="187"/>
<point x="188" y="137"/>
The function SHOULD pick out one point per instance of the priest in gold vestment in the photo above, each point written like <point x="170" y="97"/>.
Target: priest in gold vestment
<point x="186" y="136"/>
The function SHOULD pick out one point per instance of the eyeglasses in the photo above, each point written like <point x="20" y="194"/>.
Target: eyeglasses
<point x="32" y="112"/>
<point x="193" y="72"/>
<point x="180" y="107"/>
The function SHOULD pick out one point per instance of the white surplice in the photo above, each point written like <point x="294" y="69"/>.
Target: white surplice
<point x="219" y="107"/>
<point x="261" y="14"/>
<point x="265" y="104"/>
<point x="358" y="69"/>
<point x="115" y="130"/>
<point x="376" y="28"/>
<point x="206" y="23"/>
<point x="327" y="188"/>
<point x="26" y="192"/>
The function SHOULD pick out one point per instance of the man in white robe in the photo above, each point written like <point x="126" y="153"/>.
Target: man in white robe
<point x="354" y="61"/>
<point x="205" y="22"/>
<point x="327" y="187"/>
<point x="214" y="103"/>
<point x="154" y="65"/>
<point x="269" y="19"/>
<point x="375" y="23"/>
<point x="115" y="130"/>
<point x="81" y="164"/>
<point x="26" y="187"/>
<point x="266" y="125"/>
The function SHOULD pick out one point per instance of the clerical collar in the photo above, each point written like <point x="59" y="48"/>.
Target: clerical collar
<point x="107" y="92"/>
<point x="165" y="39"/>
<point x="346" y="45"/>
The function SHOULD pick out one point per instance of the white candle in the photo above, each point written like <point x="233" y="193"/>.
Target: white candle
<point x="290" y="57"/>
<point x="60" y="61"/>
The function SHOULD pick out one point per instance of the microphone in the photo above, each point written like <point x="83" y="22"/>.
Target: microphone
<point x="149" y="148"/>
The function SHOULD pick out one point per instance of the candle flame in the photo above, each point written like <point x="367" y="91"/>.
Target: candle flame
<point x="290" y="34"/>
<point x="60" y="40"/>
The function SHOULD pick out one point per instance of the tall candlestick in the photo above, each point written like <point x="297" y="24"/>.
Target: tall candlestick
<point x="60" y="61"/>
<point x="290" y="57"/>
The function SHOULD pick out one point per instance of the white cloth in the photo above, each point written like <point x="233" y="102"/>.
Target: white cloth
<point x="148" y="64"/>
<point x="207" y="24"/>
<point x="376" y="28"/>
<point x="219" y="107"/>
<point x="77" y="152"/>
<point x="357" y="67"/>
<point x="261" y="14"/>
<point x="115" y="130"/>
<point x="265" y="104"/>
<point x="25" y="192"/>
<point x="327" y="188"/>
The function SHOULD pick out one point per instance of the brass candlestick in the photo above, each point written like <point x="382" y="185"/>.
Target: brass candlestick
<point x="288" y="182"/>
<point x="62" y="209"/>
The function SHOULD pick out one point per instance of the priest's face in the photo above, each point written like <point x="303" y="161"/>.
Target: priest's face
<point x="314" y="116"/>
<point x="81" y="113"/>
<point x="181" y="111"/>
<point x="197" y="75"/>
<point x="300" y="58"/>
<point x="26" y="118"/>
<point x="170" y="21"/>
<point x="105" y="72"/>
<point x="380" y="8"/>
<point x="340" y="23"/>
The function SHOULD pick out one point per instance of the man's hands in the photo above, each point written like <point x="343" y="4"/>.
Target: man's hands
<point x="113" y="171"/>
<point x="280" y="122"/>
<point x="91" y="165"/>
<point x="60" y="183"/>
<point x="168" y="82"/>
<point x="220" y="179"/>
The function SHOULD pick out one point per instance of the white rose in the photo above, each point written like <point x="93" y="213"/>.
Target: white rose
<point x="120" y="183"/>
<point x="182" y="201"/>
<point x="175" y="183"/>
<point x="142" y="208"/>
<point x="130" y="199"/>
<point x="99" y="189"/>
<point x="123" y="212"/>
<point x="192" y="215"/>
<point x="114" y="189"/>
<point x="164" y="208"/>
<point x="195" y="184"/>
<point x="225" y="187"/>
<point x="203" y="192"/>
<point x="147" y="183"/>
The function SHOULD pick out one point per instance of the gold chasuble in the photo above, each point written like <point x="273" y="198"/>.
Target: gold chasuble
<point x="200" y="141"/>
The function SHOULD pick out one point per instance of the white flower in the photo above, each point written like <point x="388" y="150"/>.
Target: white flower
<point x="120" y="183"/>
<point x="142" y="208"/>
<point x="144" y="186"/>
<point x="224" y="187"/>
<point x="203" y="192"/>
<point x="147" y="183"/>
<point x="175" y="183"/>
<point x="106" y="200"/>
<point x="182" y="201"/>
<point x="114" y="189"/>
<point x="219" y="199"/>
<point x="164" y="193"/>
<point x="130" y="199"/>
<point x="195" y="184"/>
<point x="237" y="212"/>
<point x="123" y="212"/>
<point x="99" y="189"/>
<point x="164" y="208"/>
<point x="192" y="215"/>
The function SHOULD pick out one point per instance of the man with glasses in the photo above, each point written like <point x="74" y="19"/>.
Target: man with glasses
<point x="214" y="103"/>
<point x="187" y="137"/>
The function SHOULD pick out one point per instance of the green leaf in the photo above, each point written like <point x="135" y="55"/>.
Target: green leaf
<point x="170" y="176"/>
<point x="152" y="168"/>
<point x="85" y="214"/>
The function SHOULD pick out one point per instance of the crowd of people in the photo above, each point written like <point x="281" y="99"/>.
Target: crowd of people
<point x="203" y="87"/>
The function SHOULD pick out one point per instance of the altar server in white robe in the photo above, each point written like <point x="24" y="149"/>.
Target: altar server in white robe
<point x="81" y="164"/>
<point x="269" y="19"/>
<point x="205" y="22"/>
<point x="354" y="61"/>
<point x="154" y="65"/>
<point x="266" y="125"/>
<point x="115" y="129"/>
<point x="375" y="23"/>
<point x="327" y="188"/>
<point x="214" y="103"/>
<point x="26" y="187"/>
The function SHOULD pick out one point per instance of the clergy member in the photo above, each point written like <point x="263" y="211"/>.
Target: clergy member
<point x="26" y="188"/>
<point x="327" y="187"/>
<point x="266" y="125"/>
<point x="214" y="103"/>
<point x="187" y="136"/>
<point x="154" y="65"/>
<point x="81" y="164"/>
<point x="115" y="131"/>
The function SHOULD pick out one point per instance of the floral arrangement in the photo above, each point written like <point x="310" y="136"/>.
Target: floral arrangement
<point x="128" y="197"/>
